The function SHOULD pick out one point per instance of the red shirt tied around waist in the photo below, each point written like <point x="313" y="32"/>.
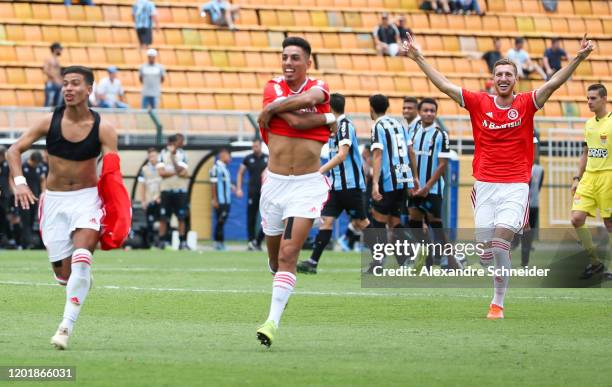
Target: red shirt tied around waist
<point x="277" y="89"/>
<point x="503" y="136"/>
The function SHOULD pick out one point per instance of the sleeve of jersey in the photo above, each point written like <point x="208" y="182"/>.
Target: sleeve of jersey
<point x="324" y="87"/>
<point x="272" y="92"/>
<point x="469" y="99"/>
<point x="376" y="139"/>
<point x="444" y="146"/>
<point x="344" y="134"/>
<point x="116" y="204"/>
<point x="533" y="104"/>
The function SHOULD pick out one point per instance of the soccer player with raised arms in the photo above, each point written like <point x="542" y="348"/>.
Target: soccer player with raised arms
<point x="502" y="125"/>
<point x="70" y="211"/>
<point x="592" y="187"/>
<point x="295" y="123"/>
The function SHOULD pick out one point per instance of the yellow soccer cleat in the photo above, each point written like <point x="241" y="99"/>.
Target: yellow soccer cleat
<point x="266" y="332"/>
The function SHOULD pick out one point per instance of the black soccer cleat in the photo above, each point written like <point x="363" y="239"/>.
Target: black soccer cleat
<point x="591" y="270"/>
<point x="306" y="267"/>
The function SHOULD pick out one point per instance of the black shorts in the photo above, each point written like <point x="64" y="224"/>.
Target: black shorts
<point x="352" y="201"/>
<point x="152" y="212"/>
<point x="392" y="203"/>
<point x="145" y="35"/>
<point x="173" y="203"/>
<point x="431" y="204"/>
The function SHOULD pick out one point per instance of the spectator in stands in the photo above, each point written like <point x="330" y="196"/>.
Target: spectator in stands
<point x="52" y="69"/>
<point x="110" y="92"/>
<point x="151" y="76"/>
<point x="470" y="6"/>
<point x="489" y="87"/>
<point x="403" y="30"/>
<point x="386" y="37"/>
<point x="523" y="62"/>
<point x="438" y="6"/>
<point x="493" y="55"/>
<point x="144" y="15"/>
<point x="553" y="56"/>
<point x="550" y="5"/>
<point x="221" y="12"/>
<point x="81" y="2"/>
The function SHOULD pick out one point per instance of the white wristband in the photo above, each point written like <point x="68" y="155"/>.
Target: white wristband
<point x="19" y="180"/>
<point x="329" y="118"/>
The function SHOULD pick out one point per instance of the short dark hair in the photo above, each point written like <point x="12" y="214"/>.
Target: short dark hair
<point x="297" y="41"/>
<point x="519" y="40"/>
<point x="223" y="150"/>
<point x="555" y="40"/>
<point x="2" y="150"/>
<point x="54" y="46"/>
<point x="337" y="102"/>
<point x="379" y="103"/>
<point x="172" y="139"/>
<point x="257" y="139"/>
<point x="505" y="61"/>
<point x="36" y="156"/>
<point x="428" y="100"/>
<point x="151" y="150"/>
<point x="84" y="71"/>
<point x="180" y="135"/>
<point x="411" y="99"/>
<point x="601" y="89"/>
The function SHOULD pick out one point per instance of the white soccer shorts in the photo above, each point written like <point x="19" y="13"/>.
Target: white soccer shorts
<point x="61" y="213"/>
<point x="283" y="197"/>
<point x="499" y="205"/>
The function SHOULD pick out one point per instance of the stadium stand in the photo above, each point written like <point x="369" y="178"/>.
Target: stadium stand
<point x="210" y="68"/>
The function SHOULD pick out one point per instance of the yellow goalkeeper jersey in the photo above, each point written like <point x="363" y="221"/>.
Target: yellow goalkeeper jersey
<point x="597" y="134"/>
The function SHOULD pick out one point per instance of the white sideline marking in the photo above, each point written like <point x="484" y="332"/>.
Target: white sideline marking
<point x="187" y="270"/>
<point x="303" y="292"/>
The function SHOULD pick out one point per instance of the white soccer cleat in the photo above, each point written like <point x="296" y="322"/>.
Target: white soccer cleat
<point x="60" y="339"/>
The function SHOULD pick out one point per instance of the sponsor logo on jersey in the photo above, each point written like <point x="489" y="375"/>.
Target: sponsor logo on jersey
<point x="507" y="125"/>
<point x="603" y="138"/>
<point x="513" y="114"/>
<point x="489" y="114"/>
<point x="598" y="153"/>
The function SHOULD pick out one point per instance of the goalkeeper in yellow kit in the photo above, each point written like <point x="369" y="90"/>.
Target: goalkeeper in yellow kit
<point x="592" y="186"/>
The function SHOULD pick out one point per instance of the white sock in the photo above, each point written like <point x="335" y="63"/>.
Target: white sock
<point x="77" y="287"/>
<point x="486" y="259"/>
<point x="501" y="255"/>
<point x="282" y="286"/>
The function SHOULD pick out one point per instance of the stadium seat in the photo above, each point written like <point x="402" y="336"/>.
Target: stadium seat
<point x="532" y="7"/>
<point x="22" y="10"/>
<point x="170" y="101"/>
<point x="582" y="8"/>
<point x="180" y="15"/>
<point x="433" y="43"/>
<point x="331" y="40"/>
<point x="286" y="18"/>
<point x="86" y="35"/>
<point x="450" y="43"/>
<point x="15" y="75"/>
<point x="173" y="37"/>
<point x="395" y="64"/>
<point x="560" y="25"/>
<point x="97" y="54"/>
<point x="542" y="23"/>
<point x="303" y="17"/>
<point x="224" y="102"/>
<point x="6" y="11"/>
<point x="352" y="19"/>
<point x="241" y="102"/>
<point x="15" y="32"/>
<point x="386" y="83"/>
<point x="248" y="17"/>
<point x="58" y="12"/>
<point x="188" y="101"/>
<point x="600" y="68"/>
<point x="68" y="35"/>
<point x="513" y="6"/>
<point x="377" y="63"/>
<point x="268" y="17"/>
<point x="565" y="7"/>
<point x="114" y="55"/>
<point x="525" y="24"/>
<point x="93" y="14"/>
<point x="25" y="98"/>
<point x="490" y="23"/>
<point x="343" y="62"/>
<point x="7" y="97"/>
<point x="369" y="83"/>
<point x="419" y="20"/>
<point x="600" y="8"/>
<point x="497" y="5"/>
<point x="184" y="58"/>
<point x="438" y="21"/>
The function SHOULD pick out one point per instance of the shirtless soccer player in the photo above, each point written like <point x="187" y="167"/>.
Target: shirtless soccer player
<point x="295" y="123"/>
<point x="70" y="209"/>
<point x="502" y="125"/>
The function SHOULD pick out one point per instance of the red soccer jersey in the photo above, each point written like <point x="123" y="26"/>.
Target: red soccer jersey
<point x="503" y="137"/>
<point x="277" y="89"/>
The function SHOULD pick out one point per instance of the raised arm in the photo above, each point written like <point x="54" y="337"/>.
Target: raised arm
<point x="23" y="195"/>
<point x="561" y="76"/>
<point x="304" y="121"/>
<point x="308" y="99"/>
<point x="440" y="81"/>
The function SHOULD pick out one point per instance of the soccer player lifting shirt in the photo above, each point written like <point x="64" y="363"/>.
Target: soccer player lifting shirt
<point x="70" y="210"/>
<point x="294" y="125"/>
<point x="502" y="126"/>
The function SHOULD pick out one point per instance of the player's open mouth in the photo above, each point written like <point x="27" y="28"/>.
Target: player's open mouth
<point x="503" y="86"/>
<point x="289" y="71"/>
<point x="69" y="97"/>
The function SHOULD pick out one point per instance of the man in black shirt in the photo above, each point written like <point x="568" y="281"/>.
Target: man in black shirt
<point x="5" y="198"/>
<point x="494" y="55"/>
<point x="553" y="56"/>
<point x="34" y="173"/>
<point x="255" y="163"/>
<point x="386" y="37"/>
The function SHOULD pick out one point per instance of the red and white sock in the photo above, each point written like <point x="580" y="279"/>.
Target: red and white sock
<point x="486" y="258"/>
<point x="501" y="254"/>
<point x="282" y="287"/>
<point x="77" y="287"/>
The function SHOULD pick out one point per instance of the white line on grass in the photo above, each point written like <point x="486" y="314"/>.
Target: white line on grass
<point x="303" y="292"/>
<point x="103" y="268"/>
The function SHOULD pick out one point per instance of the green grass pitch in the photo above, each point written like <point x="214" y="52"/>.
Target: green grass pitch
<point x="185" y="318"/>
